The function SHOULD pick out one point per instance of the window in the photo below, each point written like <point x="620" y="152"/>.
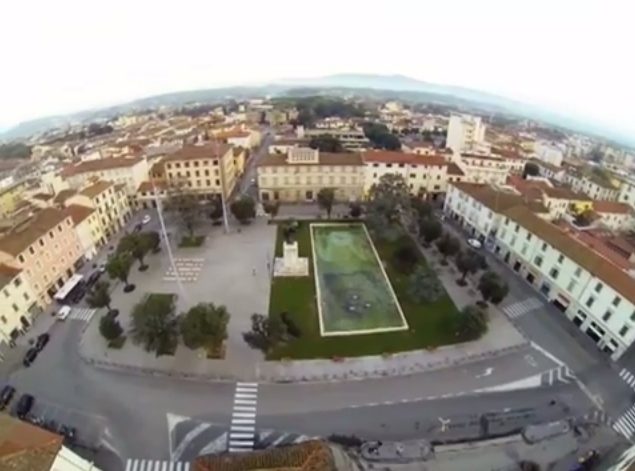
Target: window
<point x="513" y="241"/>
<point x="624" y="330"/>
<point x="590" y="301"/>
<point x="59" y="228"/>
<point x="3" y="319"/>
<point x="21" y="258"/>
<point x="218" y="182"/>
<point x="560" y="258"/>
<point x="31" y="250"/>
<point x="26" y="296"/>
<point x="528" y="235"/>
<point x="412" y="175"/>
<point x="607" y="315"/>
<point x="538" y="260"/>
<point x="41" y="241"/>
<point x="17" y="282"/>
<point x="578" y="272"/>
<point x="516" y="228"/>
<point x="523" y="251"/>
<point x="616" y="301"/>
<point x="6" y="294"/>
<point x="208" y="182"/>
<point x="598" y="287"/>
<point x="571" y="285"/>
<point x="15" y="307"/>
<point x="554" y="273"/>
<point x="206" y="172"/>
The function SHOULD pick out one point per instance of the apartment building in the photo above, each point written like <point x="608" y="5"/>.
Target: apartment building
<point x="548" y="152"/>
<point x="465" y="132"/>
<point x="206" y="169"/>
<point x="88" y="227"/>
<point x="484" y="168"/>
<point x="129" y="172"/>
<point x="46" y="248"/>
<point x="550" y="171"/>
<point x="424" y="174"/>
<point x="303" y="172"/>
<point x="18" y="301"/>
<point x="477" y="208"/>
<point x="10" y="196"/>
<point x="615" y="215"/>
<point x="110" y="203"/>
<point x="351" y="139"/>
<point x="627" y="191"/>
<point x="596" y="295"/>
<point x="596" y="187"/>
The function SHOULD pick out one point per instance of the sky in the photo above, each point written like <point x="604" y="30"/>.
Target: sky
<point x="569" y="56"/>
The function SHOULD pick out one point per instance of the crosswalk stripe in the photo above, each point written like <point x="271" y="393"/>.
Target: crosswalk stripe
<point x="243" y="421"/>
<point x="245" y="408"/>
<point x="243" y="428"/>
<point x="245" y="401"/>
<point x="246" y="396"/>
<point x="245" y="415"/>
<point x="251" y="385"/>
<point x="239" y="435"/>
<point x="156" y="465"/>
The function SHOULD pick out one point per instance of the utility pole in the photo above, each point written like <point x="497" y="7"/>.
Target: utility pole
<point x="167" y="241"/>
<point x="221" y="170"/>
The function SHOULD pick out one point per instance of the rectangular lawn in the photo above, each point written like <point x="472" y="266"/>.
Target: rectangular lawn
<point x="429" y="324"/>
<point x="354" y="295"/>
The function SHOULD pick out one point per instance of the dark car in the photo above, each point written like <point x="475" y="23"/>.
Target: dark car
<point x="78" y="293"/>
<point x="93" y="278"/>
<point x="25" y="404"/>
<point x="30" y="356"/>
<point x="41" y="341"/>
<point x="6" y="395"/>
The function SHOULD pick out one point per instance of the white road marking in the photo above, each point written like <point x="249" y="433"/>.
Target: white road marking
<point x="487" y="372"/>
<point x="191" y="435"/>
<point x="243" y="428"/>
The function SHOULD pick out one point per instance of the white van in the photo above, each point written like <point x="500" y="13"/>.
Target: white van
<point x="63" y="313"/>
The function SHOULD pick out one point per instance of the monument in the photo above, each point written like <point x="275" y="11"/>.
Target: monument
<point x="290" y="264"/>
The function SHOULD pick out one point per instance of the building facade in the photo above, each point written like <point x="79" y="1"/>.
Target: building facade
<point x="303" y="172"/>
<point x="46" y="248"/>
<point x="18" y="301"/>
<point x="465" y="132"/>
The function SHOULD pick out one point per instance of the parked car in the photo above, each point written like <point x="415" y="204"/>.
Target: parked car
<point x="30" y="356"/>
<point x="146" y="219"/>
<point x="78" y="293"/>
<point x="6" y="395"/>
<point x="63" y="313"/>
<point x="41" y="341"/>
<point x="24" y="406"/>
<point x="474" y="243"/>
<point x="93" y="278"/>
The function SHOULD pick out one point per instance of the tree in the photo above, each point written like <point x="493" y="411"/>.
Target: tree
<point x="325" y="198"/>
<point x="448" y="245"/>
<point x="326" y="143"/>
<point x="406" y="257"/>
<point x="492" y="287"/>
<point x="266" y="332"/>
<point x="389" y="197"/>
<point x="137" y="245"/>
<point x="204" y="325"/>
<point x="99" y="296"/>
<point x="380" y="136"/>
<point x="470" y="323"/>
<point x="153" y="239"/>
<point x="118" y="267"/>
<point x="110" y="328"/>
<point x="355" y="210"/>
<point x="154" y="324"/>
<point x="468" y="262"/>
<point x="216" y="213"/>
<point x="244" y="209"/>
<point x="585" y="218"/>
<point x="421" y="208"/>
<point x="185" y="203"/>
<point x="424" y="286"/>
<point x="531" y="169"/>
<point x="430" y="229"/>
<point x="271" y="208"/>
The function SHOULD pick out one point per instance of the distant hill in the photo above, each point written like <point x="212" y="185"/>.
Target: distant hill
<point x="398" y="86"/>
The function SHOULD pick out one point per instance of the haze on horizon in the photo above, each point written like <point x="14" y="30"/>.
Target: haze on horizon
<point x="70" y="55"/>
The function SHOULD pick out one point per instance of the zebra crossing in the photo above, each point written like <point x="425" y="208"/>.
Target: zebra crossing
<point x="243" y="427"/>
<point x="628" y="377"/>
<point x="597" y="416"/>
<point x="626" y="423"/>
<point x="272" y="438"/>
<point x="521" y="308"/>
<point x="562" y="374"/>
<point x="82" y="313"/>
<point x="156" y="465"/>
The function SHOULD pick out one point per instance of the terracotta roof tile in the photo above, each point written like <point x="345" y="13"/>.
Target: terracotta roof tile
<point x="99" y="165"/>
<point x="601" y="206"/>
<point x="325" y="158"/>
<point x="95" y="189"/>
<point x="42" y="196"/>
<point x="391" y="157"/>
<point x="24" y="235"/>
<point x="498" y="200"/>
<point x="26" y="447"/>
<point x="78" y="212"/>
<point x="209" y="150"/>
<point x="575" y="250"/>
<point x="63" y="195"/>
<point x="454" y="169"/>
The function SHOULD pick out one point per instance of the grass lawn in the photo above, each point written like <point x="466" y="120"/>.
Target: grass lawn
<point x="430" y="325"/>
<point x="195" y="241"/>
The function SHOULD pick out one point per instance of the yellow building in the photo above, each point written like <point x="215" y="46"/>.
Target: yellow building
<point x="88" y="228"/>
<point x="18" y="301"/>
<point x="46" y="248"/>
<point x="303" y="172"/>
<point x="10" y="197"/>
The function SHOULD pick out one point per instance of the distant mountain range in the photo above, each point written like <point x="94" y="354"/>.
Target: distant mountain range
<point x="386" y="86"/>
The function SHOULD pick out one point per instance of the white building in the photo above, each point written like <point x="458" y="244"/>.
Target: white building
<point x="549" y="153"/>
<point x="465" y="132"/>
<point x="590" y="290"/>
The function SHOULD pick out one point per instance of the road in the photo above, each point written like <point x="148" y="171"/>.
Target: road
<point x="247" y="184"/>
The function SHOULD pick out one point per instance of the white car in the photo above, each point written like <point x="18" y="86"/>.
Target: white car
<point x="474" y="243"/>
<point x="146" y="219"/>
<point x="63" y="313"/>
